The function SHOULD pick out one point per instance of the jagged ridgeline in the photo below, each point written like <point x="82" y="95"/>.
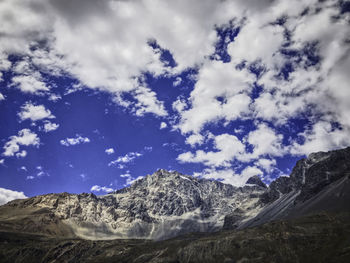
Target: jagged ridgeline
<point x="166" y="204"/>
<point x="309" y="204"/>
<point x="159" y="206"/>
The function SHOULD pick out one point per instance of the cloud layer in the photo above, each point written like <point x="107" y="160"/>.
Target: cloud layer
<point x="269" y="78"/>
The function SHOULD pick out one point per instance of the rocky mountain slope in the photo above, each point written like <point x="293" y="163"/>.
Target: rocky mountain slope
<point x="158" y="206"/>
<point x="167" y="204"/>
<point x="303" y="217"/>
<point x="318" y="183"/>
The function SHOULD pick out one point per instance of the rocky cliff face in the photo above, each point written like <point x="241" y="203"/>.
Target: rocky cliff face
<point x="158" y="206"/>
<point x="310" y="175"/>
<point x="318" y="183"/>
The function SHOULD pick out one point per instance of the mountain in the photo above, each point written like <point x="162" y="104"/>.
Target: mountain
<point x="157" y="206"/>
<point x="303" y="217"/>
<point x="318" y="183"/>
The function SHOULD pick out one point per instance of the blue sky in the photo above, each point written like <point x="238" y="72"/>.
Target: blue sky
<point x="96" y="95"/>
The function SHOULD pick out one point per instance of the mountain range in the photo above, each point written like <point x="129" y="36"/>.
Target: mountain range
<point x="185" y="211"/>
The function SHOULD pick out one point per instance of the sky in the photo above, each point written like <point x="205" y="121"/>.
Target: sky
<point x="97" y="94"/>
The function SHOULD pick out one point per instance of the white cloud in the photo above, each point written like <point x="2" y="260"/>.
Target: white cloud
<point x="127" y="158"/>
<point x="21" y="154"/>
<point x="119" y="53"/>
<point x="163" y="125"/>
<point x="7" y="195"/>
<point x="179" y="105"/>
<point x="2" y="161"/>
<point x="321" y="137"/>
<point x="129" y="179"/>
<point x="266" y="164"/>
<point x="30" y="177"/>
<point x="74" y="141"/>
<point x="265" y="141"/>
<point x="41" y="172"/>
<point x="25" y="137"/>
<point x="109" y="151"/>
<point x="247" y="45"/>
<point x="29" y="84"/>
<point x="306" y="90"/>
<point x="97" y="188"/>
<point x="34" y="112"/>
<point x="55" y="97"/>
<point x="23" y="168"/>
<point x="148" y="103"/>
<point x="177" y="81"/>
<point x="116" y="58"/>
<point x="195" y="139"/>
<point x="228" y="147"/>
<point x="221" y="92"/>
<point x="229" y="176"/>
<point x="126" y="175"/>
<point x="49" y="126"/>
<point x="1" y="97"/>
<point x="119" y="166"/>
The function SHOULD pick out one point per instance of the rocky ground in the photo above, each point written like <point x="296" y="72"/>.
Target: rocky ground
<point x="318" y="238"/>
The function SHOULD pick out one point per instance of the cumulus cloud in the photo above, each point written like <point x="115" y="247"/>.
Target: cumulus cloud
<point x="29" y="84"/>
<point x="221" y="92"/>
<point x="195" y="139"/>
<point x="34" y="112"/>
<point x="266" y="164"/>
<point x="97" y="188"/>
<point x="301" y="69"/>
<point x="54" y="97"/>
<point x="115" y="57"/>
<point x="227" y="147"/>
<point x="321" y="137"/>
<point x="147" y="103"/>
<point x="2" y="97"/>
<point x="109" y="151"/>
<point x="49" y="126"/>
<point x="7" y="195"/>
<point x="286" y="93"/>
<point x="229" y="176"/>
<point x="127" y="158"/>
<point x="265" y="141"/>
<point x="25" y="137"/>
<point x="74" y="141"/>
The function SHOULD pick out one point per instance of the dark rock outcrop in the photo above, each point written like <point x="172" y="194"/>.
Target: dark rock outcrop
<point x="318" y="183"/>
<point x="255" y="180"/>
